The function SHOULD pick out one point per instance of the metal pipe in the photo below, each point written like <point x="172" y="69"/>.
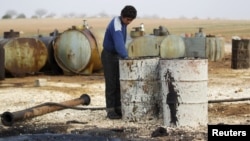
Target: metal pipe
<point x="229" y="100"/>
<point x="9" y="118"/>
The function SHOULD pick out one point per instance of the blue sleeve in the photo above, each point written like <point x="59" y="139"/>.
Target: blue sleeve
<point x="119" y="44"/>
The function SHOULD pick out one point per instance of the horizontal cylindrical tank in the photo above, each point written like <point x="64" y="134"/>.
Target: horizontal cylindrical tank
<point x="143" y="46"/>
<point x="24" y="55"/>
<point x="51" y="67"/>
<point x="2" y="69"/>
<point x="215" y="48"/>
<point x="170" y="46"/>
<point x="76" y="52"/>
<point x="211" y="48"/>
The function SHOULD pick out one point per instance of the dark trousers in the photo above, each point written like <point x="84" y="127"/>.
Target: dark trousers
<point x="110" y="64"/>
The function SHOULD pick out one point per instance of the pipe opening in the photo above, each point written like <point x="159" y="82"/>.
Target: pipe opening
<point x="7" y="118"/>
<point x="86" y="99"/>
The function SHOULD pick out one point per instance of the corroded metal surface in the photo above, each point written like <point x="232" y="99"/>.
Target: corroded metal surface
<point x="184" y="91"/>
<point x="51" y="67"/>
<point x="139" y="89"/>
<point x="240" y="54"/>
<point x="9" y="118"/>
<point x="11" y="34"/>
<point x="24" y="55"/>
<point x="76" y="52"/>
<point x="2" y="69"/>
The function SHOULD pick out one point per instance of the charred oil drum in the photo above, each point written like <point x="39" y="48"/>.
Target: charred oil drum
<point x="240" y="54"/>
<point x="24" y="55"/>
<point x="172" y="46"/>
<point x="140" y="88"/>
<point x="2" y="69"/>
<point x="76" y="52"/>
<point x="215" y="48"/>
<point x="184" y="92"/>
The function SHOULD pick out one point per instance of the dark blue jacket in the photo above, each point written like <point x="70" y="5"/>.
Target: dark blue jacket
<point x="115" y="38"/>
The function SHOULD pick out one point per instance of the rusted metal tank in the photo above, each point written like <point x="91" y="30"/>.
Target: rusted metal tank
<point x="9" y="118"/>
<point x="2" y="69"/>
<point x="98" y="35"/>
<point x="76" y="52"/>
<point x="240" y="54"/>
<point x="184" y="92"/>
<point x="24" y="55"/>
<point x="140" y="89"/>
<point x="51" y="67"/>
<point x="11" y="34"/>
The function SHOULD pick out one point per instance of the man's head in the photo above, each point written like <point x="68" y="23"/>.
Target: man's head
<point x="128" y="14"/>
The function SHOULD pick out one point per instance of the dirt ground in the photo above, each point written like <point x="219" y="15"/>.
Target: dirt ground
<point x="18" y="94"/>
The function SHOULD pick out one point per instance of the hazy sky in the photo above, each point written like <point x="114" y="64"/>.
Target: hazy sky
<point x="202" y="9"/>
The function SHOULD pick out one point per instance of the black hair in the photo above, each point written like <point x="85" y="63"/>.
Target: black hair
<point x="129" y="11"/>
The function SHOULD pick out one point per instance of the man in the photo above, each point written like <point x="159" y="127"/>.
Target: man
<point x="113" y="49"/>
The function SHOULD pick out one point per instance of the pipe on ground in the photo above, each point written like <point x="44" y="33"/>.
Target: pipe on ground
<point x="9" y="118"/>
<point x="229" y="100"/>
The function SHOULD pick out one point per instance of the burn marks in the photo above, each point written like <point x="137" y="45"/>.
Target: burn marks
<point x="172" y="97"/>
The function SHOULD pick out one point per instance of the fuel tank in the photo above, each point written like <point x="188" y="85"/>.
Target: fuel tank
<point x="76" y="52"/>
<point x="23" y="55"/>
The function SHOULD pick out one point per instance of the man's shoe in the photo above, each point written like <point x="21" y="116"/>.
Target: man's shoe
<point x="113" y="115"/>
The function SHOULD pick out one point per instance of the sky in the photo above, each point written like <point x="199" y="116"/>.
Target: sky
<point x="202" y="9"/>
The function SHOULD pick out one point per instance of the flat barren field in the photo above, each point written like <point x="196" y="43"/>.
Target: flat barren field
<point x="223" y="28"/>
<point x="228" y="89"/>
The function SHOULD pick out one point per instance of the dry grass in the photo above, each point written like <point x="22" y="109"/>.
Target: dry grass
<point x="224" y="28"/>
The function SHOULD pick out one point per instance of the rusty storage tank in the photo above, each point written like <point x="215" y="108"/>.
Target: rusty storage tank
<point x="2" y="68"/>
<point x="98" y="35"/>
<point x="140" y="88"/>
<point x="76" y="52"/>
<point x="24" y="55"/>
<point x="51" y="67"/>
<point x="240" y="54"/>
<point x="184" y="92"/>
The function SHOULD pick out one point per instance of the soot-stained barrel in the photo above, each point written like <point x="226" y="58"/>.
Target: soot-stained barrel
<point x="184" y="91"/>
<point x="140" y="89"/>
